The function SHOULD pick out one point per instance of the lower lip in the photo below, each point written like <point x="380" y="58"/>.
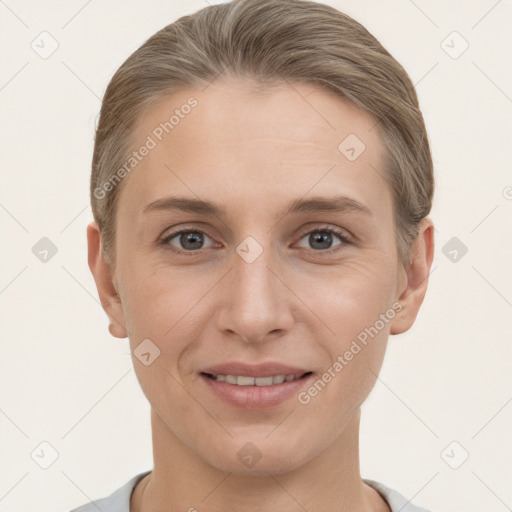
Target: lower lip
<point x="255" y="397"/>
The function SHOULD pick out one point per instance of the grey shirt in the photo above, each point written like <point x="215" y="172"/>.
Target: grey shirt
<point x="119" y="500"/>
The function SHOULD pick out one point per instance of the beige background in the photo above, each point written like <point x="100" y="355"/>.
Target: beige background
<point x="65" y="381"/>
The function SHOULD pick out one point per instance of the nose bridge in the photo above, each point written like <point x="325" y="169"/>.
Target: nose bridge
<point x="253" y="283"/>
<point x="256" y="302"/>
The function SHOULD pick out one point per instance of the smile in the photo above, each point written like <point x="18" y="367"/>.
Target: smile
<point x="253" y="392"/>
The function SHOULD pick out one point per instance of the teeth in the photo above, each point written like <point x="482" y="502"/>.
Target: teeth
<point x="243" y="380"/>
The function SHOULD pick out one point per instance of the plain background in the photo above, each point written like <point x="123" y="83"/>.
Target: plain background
<point x="65" y="381"/>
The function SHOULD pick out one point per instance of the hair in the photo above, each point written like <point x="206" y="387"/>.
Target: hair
<point x="271" y="41"/>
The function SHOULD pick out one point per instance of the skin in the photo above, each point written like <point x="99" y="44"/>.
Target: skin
<point x="295" y="303"/>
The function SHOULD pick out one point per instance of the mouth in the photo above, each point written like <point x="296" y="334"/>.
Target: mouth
<point x="262" y="381"/>
<point x="254" y="387"/>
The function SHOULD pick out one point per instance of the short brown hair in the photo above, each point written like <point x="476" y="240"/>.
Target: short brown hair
<point x="271" y="41"/>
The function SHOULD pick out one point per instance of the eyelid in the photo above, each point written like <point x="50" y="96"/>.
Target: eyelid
<point x="341" y="232"/>
<point x="197" y="227"/>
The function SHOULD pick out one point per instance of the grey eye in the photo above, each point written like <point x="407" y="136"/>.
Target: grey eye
<point x="188" y="240"/>
<point x="321" y="239"/>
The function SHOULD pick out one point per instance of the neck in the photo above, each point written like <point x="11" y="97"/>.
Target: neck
<point x="182" y="480"/>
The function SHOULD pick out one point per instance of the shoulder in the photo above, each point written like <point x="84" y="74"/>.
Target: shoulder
<point x="395" y="500"/>
<point x="118" y="501"/>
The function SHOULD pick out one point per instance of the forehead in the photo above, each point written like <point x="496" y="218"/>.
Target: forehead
<point x="231" y="143"/>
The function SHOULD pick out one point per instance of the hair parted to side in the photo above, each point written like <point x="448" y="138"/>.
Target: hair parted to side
<point x="271" y="41"/>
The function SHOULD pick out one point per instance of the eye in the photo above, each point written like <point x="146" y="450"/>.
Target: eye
<point x="321" y="238"/>
<point x="187" y="240"/>
<point x="190" y="241"/>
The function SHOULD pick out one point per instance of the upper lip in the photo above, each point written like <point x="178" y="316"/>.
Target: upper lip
<point x="255" y="370"/>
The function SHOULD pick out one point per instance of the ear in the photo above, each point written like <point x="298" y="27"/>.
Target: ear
<point x="105" y="282"/>
<point x="411" y="298"/>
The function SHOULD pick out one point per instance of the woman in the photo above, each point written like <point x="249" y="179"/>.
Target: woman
<point x="260" y="186"/>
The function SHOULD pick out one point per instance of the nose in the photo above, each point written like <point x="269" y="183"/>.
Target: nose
<point x="257" y="302"/>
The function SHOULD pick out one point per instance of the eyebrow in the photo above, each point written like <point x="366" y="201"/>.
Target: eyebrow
<point x="337" y="203"/>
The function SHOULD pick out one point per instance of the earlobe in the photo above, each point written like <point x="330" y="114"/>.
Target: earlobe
<point x="104" y="278"/>
<point x="411" y="297"/>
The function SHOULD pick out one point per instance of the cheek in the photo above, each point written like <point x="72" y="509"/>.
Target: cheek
<point x="355" y="359"/>
<point x="352" y="298"/>
<point x="157" y="298"/>
<point x="355" y="312"/>
<point x="171" y="311"/>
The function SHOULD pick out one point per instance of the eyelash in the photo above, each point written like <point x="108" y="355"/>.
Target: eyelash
<point x="323" y="229"/>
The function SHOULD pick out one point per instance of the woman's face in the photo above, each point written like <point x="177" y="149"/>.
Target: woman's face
<point x="262" y="284"/>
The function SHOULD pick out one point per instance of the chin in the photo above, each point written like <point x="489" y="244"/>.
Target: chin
<point x="258" y="455"/>
<point x="262" y="468"/>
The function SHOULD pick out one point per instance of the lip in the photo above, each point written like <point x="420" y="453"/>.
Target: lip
<point x="258" y="370"/>
<point x="255" y="397"/>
